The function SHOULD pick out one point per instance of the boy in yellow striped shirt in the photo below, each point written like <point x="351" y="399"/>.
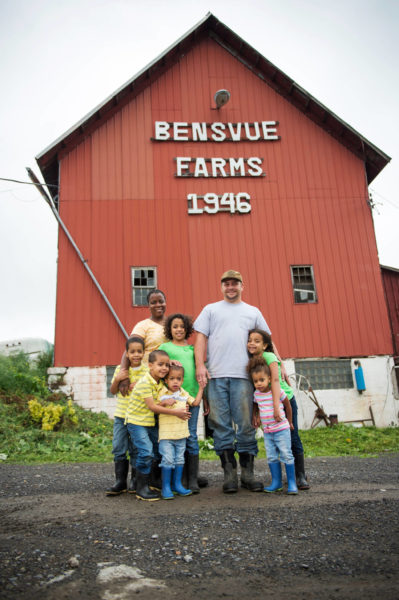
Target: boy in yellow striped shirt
<point x="142" y="407"/>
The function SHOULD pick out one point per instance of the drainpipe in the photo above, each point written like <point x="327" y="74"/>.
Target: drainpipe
<point x="55" y="212"/>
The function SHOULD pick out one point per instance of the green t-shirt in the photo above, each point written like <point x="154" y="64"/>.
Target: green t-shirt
<point x="270" y="357"/>
<point x="185" y="355"/>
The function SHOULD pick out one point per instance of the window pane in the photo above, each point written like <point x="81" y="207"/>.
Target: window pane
<point x="303" y="284"/>
<point x="110" y="373"/>
<point x="326" y="374"/>
<point x="144" y="279"/>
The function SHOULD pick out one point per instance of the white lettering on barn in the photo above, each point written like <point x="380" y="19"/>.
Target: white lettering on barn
<point x="217" y="167"/>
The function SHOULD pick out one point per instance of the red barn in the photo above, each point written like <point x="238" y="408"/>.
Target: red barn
<point x="161" y="187"/>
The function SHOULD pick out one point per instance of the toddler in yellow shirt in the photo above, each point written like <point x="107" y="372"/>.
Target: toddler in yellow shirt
<point x="173" y="432"/>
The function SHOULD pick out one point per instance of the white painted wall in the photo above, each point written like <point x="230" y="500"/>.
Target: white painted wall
<point x="380" y="394"/>
<point x="88" y="386"/>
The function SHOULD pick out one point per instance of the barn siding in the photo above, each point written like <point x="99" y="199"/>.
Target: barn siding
<point x="124" y="207"/>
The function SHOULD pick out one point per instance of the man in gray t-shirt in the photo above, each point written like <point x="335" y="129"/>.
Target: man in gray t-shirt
<point x="222" y="334"/>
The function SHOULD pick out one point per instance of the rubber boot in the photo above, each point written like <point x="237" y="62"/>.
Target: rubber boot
<point x="184" y="477"/>
<point x="248" y="480"/>
<point x="121" y="471"/>
<point x="167" y="493"/>
<point x="132" y="485"/>
<point x="301" y="480"/>
<point x="192" y="464"/>
<point x="292" y="488"/>
<point x="156" y="475"/>
<point x="142" y="490"/>
<point x="276" y="484"/>
<point x="201" y="480"/>
<point x="229" y="464"/>
<point x="177" y="484"/>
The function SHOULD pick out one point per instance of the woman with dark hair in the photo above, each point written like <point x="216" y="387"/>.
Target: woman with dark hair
<point x="152" y="329"/>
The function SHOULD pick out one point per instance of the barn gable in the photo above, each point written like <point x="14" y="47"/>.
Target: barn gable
<point x="210" y="27"/>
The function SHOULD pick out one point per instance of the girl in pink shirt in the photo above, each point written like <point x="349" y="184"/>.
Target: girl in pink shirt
<point x="276" y="432"/>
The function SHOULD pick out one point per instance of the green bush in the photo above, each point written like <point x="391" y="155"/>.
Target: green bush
<point x="19" y="375"/>
<point x="22" y="440"/>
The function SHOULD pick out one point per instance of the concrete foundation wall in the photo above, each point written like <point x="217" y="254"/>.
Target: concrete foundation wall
<point x="87" y="386"/>
<point x="348" y="404"/>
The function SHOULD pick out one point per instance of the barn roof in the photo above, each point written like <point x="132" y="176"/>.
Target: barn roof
<point x="374" y="158"/>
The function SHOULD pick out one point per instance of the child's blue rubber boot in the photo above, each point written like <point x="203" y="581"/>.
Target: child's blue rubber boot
<point x="177" y="484"/>
<point x="292" y="487"/>
<point x="276" y="484"/>
<point x="166" y="492"/>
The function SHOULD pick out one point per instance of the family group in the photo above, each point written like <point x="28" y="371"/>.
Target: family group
<point x="234" y="368"/>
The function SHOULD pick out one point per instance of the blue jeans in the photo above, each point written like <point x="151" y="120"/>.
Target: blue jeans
<point x="192" y="440"/>
<point x="122" y="442"/>
<point x="278" y="447"/>
<point x="172" y="452"/>
<point x="146" y="441"/>
<point x="231" y="401"/>
<point x="296" y="444"/>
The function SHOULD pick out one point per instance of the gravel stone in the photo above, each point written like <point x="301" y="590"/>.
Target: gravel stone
<point x="338" y="540"/>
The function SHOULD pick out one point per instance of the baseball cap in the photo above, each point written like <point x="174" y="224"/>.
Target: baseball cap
<point x="231" y="275"/>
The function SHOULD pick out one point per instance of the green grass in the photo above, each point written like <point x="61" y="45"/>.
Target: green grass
<point x="347" y="440"/>
<point x="23" y="441"/>
<point x="340" y="440"/>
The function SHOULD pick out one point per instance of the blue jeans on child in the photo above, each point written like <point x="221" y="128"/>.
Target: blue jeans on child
<point x="231" y="400"/>
<point x="146" y="441"/>
<point x="278" y="447"/>
<point x="172" y="452"/>
<point x="192" y="445"/>
<point x="122" y="442"/>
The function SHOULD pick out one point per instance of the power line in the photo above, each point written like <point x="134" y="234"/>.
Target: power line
<point x="383" y="198"/>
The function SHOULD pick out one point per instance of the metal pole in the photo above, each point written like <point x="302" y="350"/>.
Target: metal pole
<point x="55" y="212"/>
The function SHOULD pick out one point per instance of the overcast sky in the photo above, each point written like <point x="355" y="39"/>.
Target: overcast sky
<point x="59" y="59"/>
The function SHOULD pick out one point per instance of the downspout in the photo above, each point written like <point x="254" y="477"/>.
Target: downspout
<point x="55" y="212"/>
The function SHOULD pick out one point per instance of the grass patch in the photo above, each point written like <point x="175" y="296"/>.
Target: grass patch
<point x="346" y="440"/>
<point x="340" y="440"/>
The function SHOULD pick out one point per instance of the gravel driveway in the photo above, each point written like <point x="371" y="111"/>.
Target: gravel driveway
<point x="61" y="537"/>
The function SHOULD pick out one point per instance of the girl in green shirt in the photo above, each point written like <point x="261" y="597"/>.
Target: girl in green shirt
<point x="260" y="344"/>
<point x="178" y="328"/>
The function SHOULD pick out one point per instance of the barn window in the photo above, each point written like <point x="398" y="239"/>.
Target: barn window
<point x="330" y="374"/>
<point x="144" y="279"/>
<point x="303" y="284"/>
<point x="110" y="370"/>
